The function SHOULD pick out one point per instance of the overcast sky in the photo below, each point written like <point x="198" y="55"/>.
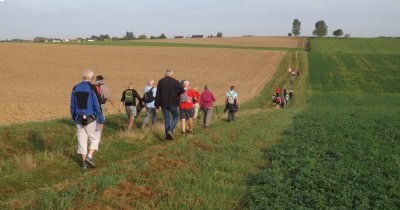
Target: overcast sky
<point x="83" y="18"/>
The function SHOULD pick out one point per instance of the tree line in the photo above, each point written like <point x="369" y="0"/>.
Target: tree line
<point x="321" y="29"/>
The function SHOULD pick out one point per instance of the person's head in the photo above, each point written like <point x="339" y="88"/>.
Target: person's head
<point x="150" y="82"/>
<point x="186" y="84"/>
<point x="87" y="75"/>
<point x="232" y="87"/>
<point x="169" y="73"/>
<point x="130" y="85"/>
<point x="205" y="87"/>
<point x="99" y="78"/>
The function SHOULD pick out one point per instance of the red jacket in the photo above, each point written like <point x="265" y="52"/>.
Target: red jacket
<point x="207" y="99"/>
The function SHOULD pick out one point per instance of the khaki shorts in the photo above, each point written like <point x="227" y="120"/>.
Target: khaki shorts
<point x="130" y="111"/>
<point x="88" y="136"/>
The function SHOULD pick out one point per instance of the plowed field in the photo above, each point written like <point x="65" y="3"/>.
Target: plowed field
<point x="287" y="42"/>
<point x="36" y="80"/>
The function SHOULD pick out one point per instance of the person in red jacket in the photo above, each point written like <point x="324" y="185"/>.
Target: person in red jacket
<point x="207" y="101"/>
<point x="278" y="91"/>
<point x="186" y="100"/>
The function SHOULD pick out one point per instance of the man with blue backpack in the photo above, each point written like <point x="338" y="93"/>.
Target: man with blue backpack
<point x="86" y="112"/>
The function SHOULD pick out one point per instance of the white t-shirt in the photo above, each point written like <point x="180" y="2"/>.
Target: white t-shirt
<point x="232" y="93"/>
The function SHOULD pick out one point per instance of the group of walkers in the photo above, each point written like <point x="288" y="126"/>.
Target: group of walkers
<point x="281" y="101"/>
<point x="177" y="100"/>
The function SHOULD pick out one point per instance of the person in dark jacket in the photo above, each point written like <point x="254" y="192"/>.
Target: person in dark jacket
<point x="128" y="100"/>
<point x="167" y="97"/>
<point x="86" y="112"/>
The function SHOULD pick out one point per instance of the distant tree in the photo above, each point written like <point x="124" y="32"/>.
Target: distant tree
<point x="219" y="34"/>
<point x="143" y="36"/>
<point x="162" y="36"/>
<point x="129" y="36"/>
<point x="338" y="33"/>
<point x="321" y="29"/>
<point x="153" y="37"/>
<point x="296" y="27"/>
<point x="289" y="34"/>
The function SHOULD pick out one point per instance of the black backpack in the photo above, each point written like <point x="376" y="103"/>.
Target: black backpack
<point x="148" y="96"/>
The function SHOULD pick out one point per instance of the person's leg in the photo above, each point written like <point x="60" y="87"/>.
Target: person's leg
<point x="154" y="114"/>
<point x="82" y="141"/>
<point x="229" y="116"/>
<point x="94" y="133"/>
<point x="233" y="115"/>
<point x="183" y="125"/>
<point x="147" y="116"/>
<point x="175" y="117"/>
<point x="196" y="110"/>
<point x="190" y="125"/>
<point x="131" y="121"/>
<point x="209" y="117"/>
<point x="167" y="119"/>
<point x="204" y="117"/>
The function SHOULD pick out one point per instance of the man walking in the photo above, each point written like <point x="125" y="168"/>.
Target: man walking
<point x="149" y="98"/>
<point x="86" y="112"/>
<point x="128" y="99"/>
<point x="207" y="100"/>
<point x="167" y="97"/>
<point x="103" y="92"/>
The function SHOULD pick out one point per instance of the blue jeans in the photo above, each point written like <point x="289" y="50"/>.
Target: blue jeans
<point x="167" y="112"/>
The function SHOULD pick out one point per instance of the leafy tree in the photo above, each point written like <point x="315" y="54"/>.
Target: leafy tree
<point x="162" y="36"/>
<point x="219" y="34"/>
<point x="129" y="36"/>
<point x="321" y="29"/>
<point x="289" y="34"/>
<point x="338" y="32"/>
<point x="296" y="27"/>
<point x="143" y="36"/>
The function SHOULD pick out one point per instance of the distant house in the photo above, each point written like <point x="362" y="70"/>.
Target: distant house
<point x="197" y="36"/>
<point x="90" y="40"/>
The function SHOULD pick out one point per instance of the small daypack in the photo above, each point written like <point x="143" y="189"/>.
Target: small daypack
<point x="148" y="96"/>
<point x="185" y="98"/>
<point x="103" y="100"/>
<point x="231" y="97"/>
<point x="129" y="97"/>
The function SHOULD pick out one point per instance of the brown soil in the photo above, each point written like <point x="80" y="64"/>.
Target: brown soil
<point x="288" y="42"/>
<point x="36" y="80"/>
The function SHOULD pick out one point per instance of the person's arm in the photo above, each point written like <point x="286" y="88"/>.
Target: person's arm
<point x="158" y="93"/>
<point x="237" y="102"/>
<point x="97" y="109"/>
<point x="179" y="88"/>
<point x="136" y="94"/>
<point x="72" y="105"/>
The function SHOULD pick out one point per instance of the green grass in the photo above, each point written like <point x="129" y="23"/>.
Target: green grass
<point x="164" y="44"/>
<point x="208" y="170"/>
<point x="343" y="150"/>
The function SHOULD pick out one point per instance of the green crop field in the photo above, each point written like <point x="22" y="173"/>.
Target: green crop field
<point x="343" y="150"/>
<point x="337" y="146"/>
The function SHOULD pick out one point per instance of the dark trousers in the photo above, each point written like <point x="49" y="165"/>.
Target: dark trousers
<point x="170" y="124"/>
<point x="231" y="115"/>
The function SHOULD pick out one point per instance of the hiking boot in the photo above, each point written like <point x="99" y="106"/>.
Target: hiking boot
<point x="170" y="135"/>
<point x="84" y="165"/>
<point x="90" y="161"/>
<point x="190" y="131"/>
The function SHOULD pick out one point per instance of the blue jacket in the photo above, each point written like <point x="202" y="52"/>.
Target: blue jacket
<point x="84" y="102"/>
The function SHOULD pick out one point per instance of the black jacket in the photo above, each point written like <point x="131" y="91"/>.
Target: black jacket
<point x="168" y="92"/>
